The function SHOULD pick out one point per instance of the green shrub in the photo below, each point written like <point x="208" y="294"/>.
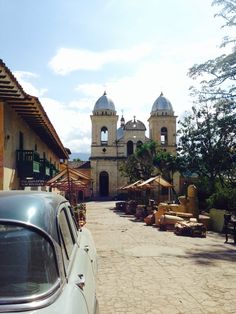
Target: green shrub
<point x="223" y="199"/>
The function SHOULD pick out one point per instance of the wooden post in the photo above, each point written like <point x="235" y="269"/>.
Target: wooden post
<point x="69" y="184"/>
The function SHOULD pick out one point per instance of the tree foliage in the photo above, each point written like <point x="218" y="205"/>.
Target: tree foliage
<point x="167" y="164"/>
<point x="140" y="164"/>
<point x="207" y="141"/>
<point x="145" y="154"/>
<point x="129" y="169"/>
<point x="207" y="134"/>
<point x="147" y="161"/>
<point x="220" y="73"/>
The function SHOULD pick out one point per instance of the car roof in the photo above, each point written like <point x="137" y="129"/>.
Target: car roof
<point x="33" y="208"/>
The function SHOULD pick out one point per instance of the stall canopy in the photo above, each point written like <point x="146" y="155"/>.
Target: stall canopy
<point x="132" y="186"/>
<point x="155" y="181"/>
<point x="69" y="179"/>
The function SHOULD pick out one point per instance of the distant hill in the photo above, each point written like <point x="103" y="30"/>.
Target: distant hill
<point x="81" y="156"/>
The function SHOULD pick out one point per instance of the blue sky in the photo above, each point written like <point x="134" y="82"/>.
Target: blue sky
<point x="67" y="52"/>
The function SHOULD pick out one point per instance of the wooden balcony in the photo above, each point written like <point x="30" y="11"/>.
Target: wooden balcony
<point x="28" y="163"/>
<point x="45" y="168"/>
<point x="53" y="171"/>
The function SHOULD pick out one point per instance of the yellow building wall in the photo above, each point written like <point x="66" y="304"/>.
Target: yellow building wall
<point x="155" y="125"/>
<point x="12" y="126"/>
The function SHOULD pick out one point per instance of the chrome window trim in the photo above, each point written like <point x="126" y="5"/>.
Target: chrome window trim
<point x="32" y="304"/>
<point x="43" y="299"/>
<point x="68" y="269"/>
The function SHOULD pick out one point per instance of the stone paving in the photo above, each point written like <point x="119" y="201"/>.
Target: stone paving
<point x="144" y="270"/>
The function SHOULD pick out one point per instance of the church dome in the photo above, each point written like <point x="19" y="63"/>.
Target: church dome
<point x="162" y="106"/>
<point x="104" y="104"/>
<point x="134" y="125"/>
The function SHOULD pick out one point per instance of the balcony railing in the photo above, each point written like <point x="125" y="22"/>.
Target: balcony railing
<point x="28" y="163"/>
<point x="45" y="168"/>
<point x="53" y="170"/>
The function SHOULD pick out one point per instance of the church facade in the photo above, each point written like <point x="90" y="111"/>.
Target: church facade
<point x="111" y="145"/>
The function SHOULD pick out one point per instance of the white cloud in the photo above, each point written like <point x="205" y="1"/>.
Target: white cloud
<point x="24" y="78"/>
<point x="68" y="60"/>
<point x="83" y="105"/>
<point x="71" y="124"/>
<point x="134" y="94"/>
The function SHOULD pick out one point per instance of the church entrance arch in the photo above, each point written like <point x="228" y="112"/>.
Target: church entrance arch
<point x="103" y="184"/>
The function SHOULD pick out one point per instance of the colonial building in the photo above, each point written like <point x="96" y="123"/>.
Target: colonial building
<point x="30" y="149"/>
<point x="111" y="145"/>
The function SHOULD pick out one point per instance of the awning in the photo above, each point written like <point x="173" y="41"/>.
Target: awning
<point x="69" y="178"/>
<point x="132" y="186"/>
<point x="30" y="110"/>
<point x="154" y="181"/>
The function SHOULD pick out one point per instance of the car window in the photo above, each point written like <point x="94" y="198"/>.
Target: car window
<point x="27" y="262"/>
<point x="72" y="220"/>
<point x="66" y="236"/>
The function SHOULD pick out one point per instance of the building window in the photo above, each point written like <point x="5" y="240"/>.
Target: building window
<point x="164" y="136"/>
<point x="130" y="148"/>
<point x="104" y="135"/>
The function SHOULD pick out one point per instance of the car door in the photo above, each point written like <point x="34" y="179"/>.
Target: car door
<point x="86" y="242"/>
<point x="77" y="264"/>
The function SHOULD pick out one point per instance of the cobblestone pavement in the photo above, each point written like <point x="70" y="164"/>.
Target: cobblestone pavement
<point x="144" y="270"/>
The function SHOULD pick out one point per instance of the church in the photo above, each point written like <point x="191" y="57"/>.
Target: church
<point x="113" y="143"/>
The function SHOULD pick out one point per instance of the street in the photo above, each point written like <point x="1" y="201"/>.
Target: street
<point x="144" y="270"/>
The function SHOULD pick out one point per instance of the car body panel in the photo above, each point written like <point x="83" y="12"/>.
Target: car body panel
<point x="45" y="213"/>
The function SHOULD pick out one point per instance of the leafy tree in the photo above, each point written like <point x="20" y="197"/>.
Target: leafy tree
<point x="129" y="169"/>
<point x="145" y="155"/>
<point x="167" y="164"/>
<point x="207" y="141"/>
<point x="147" y="162"/>
<point x="140" y="164"/>
<point x="207" y="137"/>
<point x="223" y="199"/>
<point x="76" y="159"/>
<point x="221" y="70"/>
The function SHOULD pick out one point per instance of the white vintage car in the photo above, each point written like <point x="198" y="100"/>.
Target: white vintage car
<point x="47" y="263"/>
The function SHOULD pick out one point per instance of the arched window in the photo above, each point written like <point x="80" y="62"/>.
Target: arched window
<point x="104" y="135"/>
<point x="130" y="148"/>
<point x="164" y="136"/>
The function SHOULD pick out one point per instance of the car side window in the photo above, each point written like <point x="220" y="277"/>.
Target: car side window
<point x="66" y="235"/>
<point x="72" y="220"/>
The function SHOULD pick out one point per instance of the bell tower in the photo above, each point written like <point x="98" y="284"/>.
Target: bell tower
<point x="104" y="147"/>
<point x="162" y="124"/>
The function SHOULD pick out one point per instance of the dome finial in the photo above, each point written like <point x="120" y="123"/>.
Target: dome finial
<point x="161" y="94"/>
<point x="104" y="94"/>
